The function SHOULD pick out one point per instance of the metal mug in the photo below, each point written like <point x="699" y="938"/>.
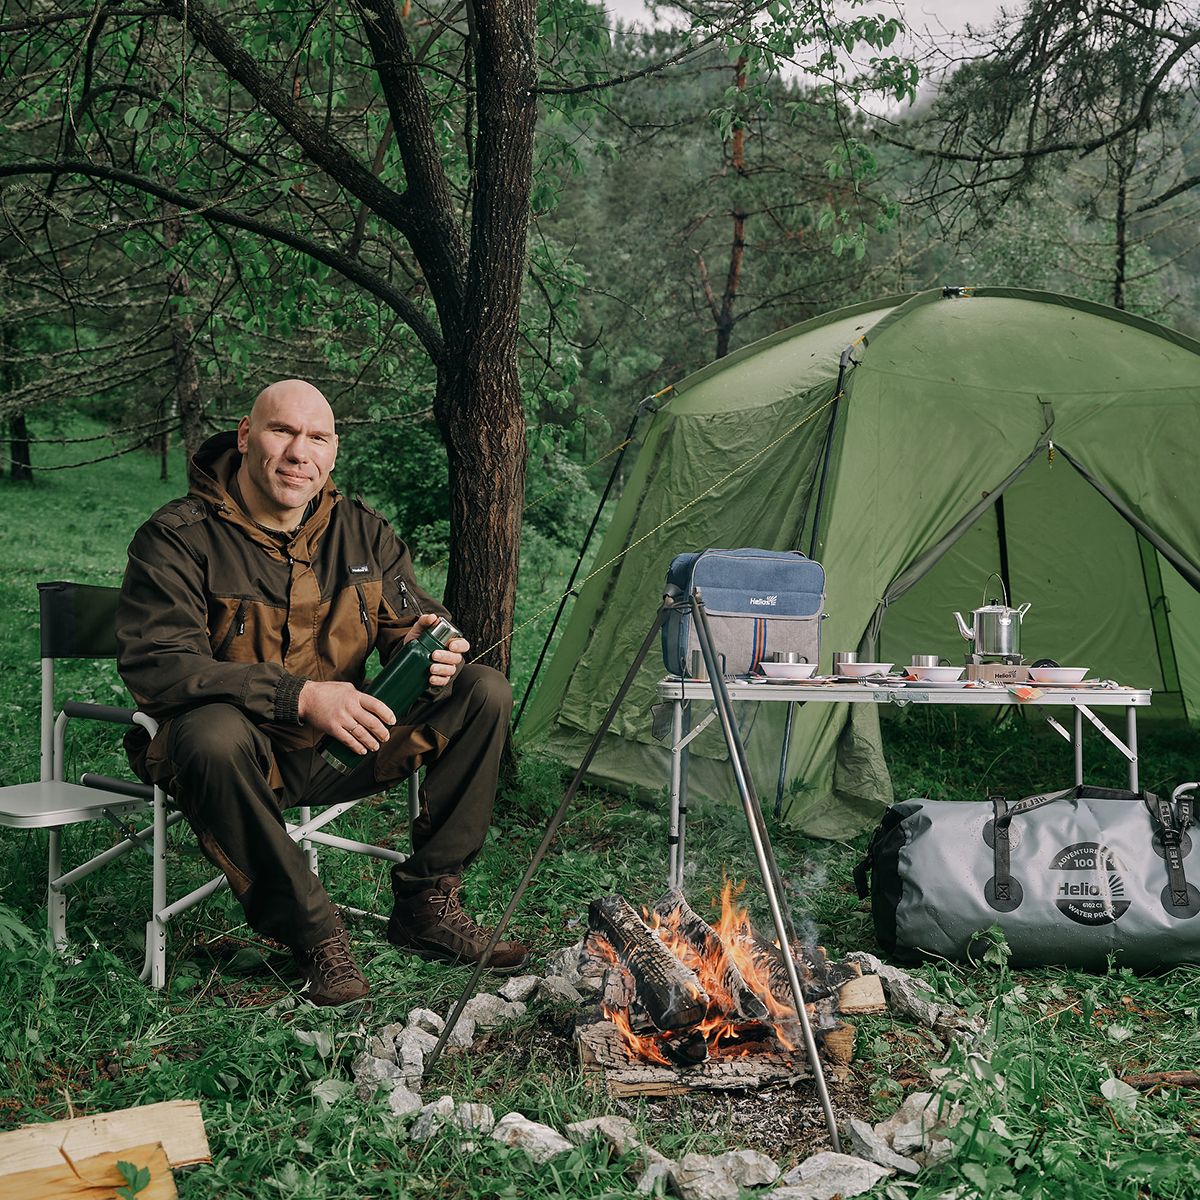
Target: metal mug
<point x="844" y="656"/>
<point x="697" y="671"/>
<point x="787" y="656"/>
<point x="925" y="660"/>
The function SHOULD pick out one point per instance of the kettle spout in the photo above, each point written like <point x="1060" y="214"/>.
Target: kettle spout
<point x="963" y="629"/>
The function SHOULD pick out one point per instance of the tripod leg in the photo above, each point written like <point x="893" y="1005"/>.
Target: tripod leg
<point x="548" y="837"/>
<point x="764" y="854"/>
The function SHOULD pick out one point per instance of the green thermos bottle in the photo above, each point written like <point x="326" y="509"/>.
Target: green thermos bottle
<point x="398" y="685"/>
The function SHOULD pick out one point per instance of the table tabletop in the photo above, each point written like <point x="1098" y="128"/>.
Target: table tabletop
<point x="867" y="692"/>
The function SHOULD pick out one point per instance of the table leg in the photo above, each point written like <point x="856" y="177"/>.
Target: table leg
<point x="673" y="810"/>
<point x="1131" y="742"/>
<point x="783" y="757"/>
<point x="1077" y="744"/>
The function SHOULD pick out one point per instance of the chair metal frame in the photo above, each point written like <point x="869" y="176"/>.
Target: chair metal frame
<point x="54" y="804"/>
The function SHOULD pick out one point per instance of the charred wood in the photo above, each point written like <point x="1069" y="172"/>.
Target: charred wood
<point x="704" y="939"/>
<point x="669" y="991"/>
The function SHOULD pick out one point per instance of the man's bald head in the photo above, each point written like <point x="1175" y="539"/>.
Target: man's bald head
<point x="288" y="445"/>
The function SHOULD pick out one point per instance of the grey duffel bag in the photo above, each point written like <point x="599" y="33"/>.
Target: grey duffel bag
<point x="1071" y="877"/>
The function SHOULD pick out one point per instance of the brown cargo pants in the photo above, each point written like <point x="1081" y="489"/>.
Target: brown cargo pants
<point x="221" y="763"/>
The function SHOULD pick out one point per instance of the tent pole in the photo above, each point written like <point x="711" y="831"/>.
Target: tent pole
<point x="646" y="405"/>
<point x="1002" y="541"/>
<point x="843" y="363"/>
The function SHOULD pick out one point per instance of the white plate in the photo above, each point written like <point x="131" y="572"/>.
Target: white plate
<point x="779" y="670"/>
<point x="937" y="674"/>
<point x="947" y="685"/>
<point x="1057" y="674"/>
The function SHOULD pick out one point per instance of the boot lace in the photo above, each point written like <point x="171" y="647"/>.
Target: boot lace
<point x="454" y="916"/>
<point x="332" y="962"/>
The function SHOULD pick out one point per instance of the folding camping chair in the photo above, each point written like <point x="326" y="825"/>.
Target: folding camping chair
<point x="77" y="621"/>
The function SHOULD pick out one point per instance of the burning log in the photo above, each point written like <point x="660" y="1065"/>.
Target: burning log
<point x="769" y="958"/>
<point x="669" y="992"/>
<point x="682" y="919"/>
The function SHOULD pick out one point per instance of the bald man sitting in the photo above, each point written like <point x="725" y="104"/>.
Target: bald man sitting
<point x="248" y="611"/>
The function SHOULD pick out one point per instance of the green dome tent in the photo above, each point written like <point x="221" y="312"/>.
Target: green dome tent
<point x="1049" y="439"/>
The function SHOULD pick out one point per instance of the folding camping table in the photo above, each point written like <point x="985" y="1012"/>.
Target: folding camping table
<point x="681" y="693"/>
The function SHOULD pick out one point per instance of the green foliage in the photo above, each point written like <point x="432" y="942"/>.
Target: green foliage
<point x="137" y="1179"/>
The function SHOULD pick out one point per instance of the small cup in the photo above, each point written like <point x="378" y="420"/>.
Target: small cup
<point x="788" y="656"/>
<point x="697" y="668"/>
<point x="844" y="656"/>
<point x="926" y="660"/>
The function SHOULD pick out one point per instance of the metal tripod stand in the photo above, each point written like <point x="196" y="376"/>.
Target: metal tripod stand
<point x="763" y="852"/>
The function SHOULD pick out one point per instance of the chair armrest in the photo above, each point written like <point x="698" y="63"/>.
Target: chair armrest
<point x="100" y="712"/>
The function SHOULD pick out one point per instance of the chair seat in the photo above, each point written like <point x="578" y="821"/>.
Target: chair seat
<point x="53" y="804"/>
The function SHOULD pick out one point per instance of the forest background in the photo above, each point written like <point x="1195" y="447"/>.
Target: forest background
<point x="178" y="227"/>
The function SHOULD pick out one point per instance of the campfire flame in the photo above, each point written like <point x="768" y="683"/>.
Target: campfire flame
<point x="727" y="1033"/>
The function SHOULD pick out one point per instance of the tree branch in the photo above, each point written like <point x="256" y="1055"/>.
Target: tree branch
<point x="344" y="264"/>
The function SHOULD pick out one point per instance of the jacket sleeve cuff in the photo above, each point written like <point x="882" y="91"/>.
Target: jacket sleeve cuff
<point x="287" y="699"/>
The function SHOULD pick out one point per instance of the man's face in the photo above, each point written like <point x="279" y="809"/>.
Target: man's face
<point x="289" y="447"/>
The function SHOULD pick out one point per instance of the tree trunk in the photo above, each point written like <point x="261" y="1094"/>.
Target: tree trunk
<point x="21" y="465"/>
<point x="479" y="404"/>
<point x="189" y="401"/>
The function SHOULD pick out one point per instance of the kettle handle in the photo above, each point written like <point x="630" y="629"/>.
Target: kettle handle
<point x="1003" y="588"/>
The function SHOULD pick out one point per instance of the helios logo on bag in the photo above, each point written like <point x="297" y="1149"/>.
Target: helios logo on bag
<point x="768" y="601"/>
<point x="1093" y="892"/>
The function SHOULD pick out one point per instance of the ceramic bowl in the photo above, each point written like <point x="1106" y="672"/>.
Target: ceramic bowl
<point x="779" y="670"/>
<point x="862" y="670"/>
<point x="1057" y="674"/>
<point x="937" y="674"/>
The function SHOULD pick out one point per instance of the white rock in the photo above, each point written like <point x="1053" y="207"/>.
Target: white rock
<point x="558" y="989"/>
<point x="416" y="1037"/>
<point x="938" y="1150"/>
<point x="401" y="1101"/>
<point x="866" y="1143"/>
<point x="721" y="1176"/>
<point x="566" y="961"/>
<point x="432" y="1117"/>
<point x="381" y="1047"/>
<point x="462" y="1035"/>
<point x="917" y="1121"/>
<point x="425" y="1019"/>
<point x="540" y="1142"/>
<point x="656" y="1174"/>
<point x="392" y="1032"/>
<point x="826" y="1175"/>
<point x="474" y="1118"/>
<point x="519" y="987"/>
<point x="371" y="1073"/>
<point x="618" y="1132"/>
<point x="488" y="1011"/>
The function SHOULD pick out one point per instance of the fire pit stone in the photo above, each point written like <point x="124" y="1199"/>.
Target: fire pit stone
<point x="488" y="1011"/>
<point x="826" y="1175"/>
<point x="371" y="1073"/>
<point x="721" y="1176"/>
<point x="432" y="1117"/>
<point x="540" y="1142"/>
<point x="402" y="1101"/>
<point x="866" y="1143"/>
<point x="474" y="1118"/>
<point x="558" y="989"/>
<point x="426" y="1019"/>
<point x="519" y="987"/>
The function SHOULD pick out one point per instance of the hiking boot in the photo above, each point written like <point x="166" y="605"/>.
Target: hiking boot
<point x="432" y="924"/>
<point x="333" y="975"/>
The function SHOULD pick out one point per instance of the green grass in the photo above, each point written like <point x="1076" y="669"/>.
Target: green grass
<point x="83" y="1035"/>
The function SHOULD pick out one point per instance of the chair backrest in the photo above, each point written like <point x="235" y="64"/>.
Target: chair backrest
<point x="78" y="620"/>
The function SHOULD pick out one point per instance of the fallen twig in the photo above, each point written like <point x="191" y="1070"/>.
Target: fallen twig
<point x="1157" y="1079"/>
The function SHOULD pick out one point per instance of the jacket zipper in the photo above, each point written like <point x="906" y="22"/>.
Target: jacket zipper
<point x="362" y="609"/>
<point x="236" y="628"/>
<point x="405" y="598"/>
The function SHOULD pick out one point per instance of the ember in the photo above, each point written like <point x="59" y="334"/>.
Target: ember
<point x="681" y="992"/>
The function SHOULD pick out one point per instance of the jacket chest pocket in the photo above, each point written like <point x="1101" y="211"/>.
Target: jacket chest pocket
<point x="364" y="614"/>
<point x="237" y="629"/>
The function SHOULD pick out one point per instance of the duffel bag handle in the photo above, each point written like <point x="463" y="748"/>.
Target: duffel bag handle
<point x="1173" y="816"/>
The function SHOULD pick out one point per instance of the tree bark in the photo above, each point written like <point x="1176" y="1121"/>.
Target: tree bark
<point x="21" y="465"/>
<point x="479" y="403"/>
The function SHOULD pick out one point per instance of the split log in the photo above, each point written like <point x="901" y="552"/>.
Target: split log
<point x="769" y="958"/>
<point x="704" y="939"/>
<point x="838" y="1043"/>
<point x="862" y="994"/>
<point x="669" y="992"/>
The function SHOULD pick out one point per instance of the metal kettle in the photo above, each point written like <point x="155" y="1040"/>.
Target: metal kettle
<point x="995" y="628"/>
